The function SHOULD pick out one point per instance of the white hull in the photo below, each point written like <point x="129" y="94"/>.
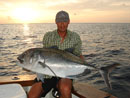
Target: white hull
<point x="10" y="87"/>
<point x="17" y="91"/>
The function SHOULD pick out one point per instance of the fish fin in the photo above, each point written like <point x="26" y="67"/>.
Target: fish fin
<point x="80" y="76"/>
<point x="40" y="77"/>
<point x="44" y="65"/>
<point x="105" y="73"/>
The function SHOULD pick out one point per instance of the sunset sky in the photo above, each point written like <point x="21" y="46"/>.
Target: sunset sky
<point x="80" y="11"/>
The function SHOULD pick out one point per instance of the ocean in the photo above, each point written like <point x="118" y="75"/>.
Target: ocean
<point x="102" y="44"/>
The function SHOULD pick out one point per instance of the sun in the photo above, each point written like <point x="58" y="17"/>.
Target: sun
<point x="24" y="14"/>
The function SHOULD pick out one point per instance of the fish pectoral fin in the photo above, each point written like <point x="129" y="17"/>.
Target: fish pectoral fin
<point x="44" y="66"/>
<point x="42" y="63"/>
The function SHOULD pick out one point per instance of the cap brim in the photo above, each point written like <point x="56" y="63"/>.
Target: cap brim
<point x="62" y="20"/>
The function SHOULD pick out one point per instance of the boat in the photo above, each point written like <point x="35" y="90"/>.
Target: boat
<point x="18" y="87"/>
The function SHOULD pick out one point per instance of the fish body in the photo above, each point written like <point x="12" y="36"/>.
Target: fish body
<point x="58" y="63"/>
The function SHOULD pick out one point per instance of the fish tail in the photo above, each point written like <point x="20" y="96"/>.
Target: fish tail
<point x="104" y="71"/>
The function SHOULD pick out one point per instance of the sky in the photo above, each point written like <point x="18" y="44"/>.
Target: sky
<point x="80" y="11"/>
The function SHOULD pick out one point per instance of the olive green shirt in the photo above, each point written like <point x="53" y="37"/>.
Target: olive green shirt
<point x="72" y="42"/>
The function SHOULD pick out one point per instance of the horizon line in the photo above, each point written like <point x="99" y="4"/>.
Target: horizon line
<point x="70" y="23"/>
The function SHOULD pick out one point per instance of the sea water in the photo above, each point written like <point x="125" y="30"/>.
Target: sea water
<point x="103" y="44"/>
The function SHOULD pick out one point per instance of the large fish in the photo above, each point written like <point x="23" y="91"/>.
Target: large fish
<point x="59" y="63"/>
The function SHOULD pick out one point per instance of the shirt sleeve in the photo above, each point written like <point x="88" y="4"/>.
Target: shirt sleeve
<point x="77" y="48"/>
<point x="46" y="40"/>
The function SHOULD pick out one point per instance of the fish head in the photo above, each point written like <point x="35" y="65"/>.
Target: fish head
<point x="29" y="57"/>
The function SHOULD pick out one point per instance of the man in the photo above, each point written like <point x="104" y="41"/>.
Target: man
<point x="62" y="39"/>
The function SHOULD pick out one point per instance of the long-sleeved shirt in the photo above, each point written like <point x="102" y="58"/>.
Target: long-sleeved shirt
<point x="72" y="42"/>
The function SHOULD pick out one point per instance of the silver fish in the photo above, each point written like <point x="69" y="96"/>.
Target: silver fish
<point x="59" y="63"/>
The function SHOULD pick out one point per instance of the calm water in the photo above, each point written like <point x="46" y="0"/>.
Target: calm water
<point x="103" y="44"/>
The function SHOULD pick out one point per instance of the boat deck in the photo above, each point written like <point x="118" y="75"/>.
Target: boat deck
<point x="82" y="90"/>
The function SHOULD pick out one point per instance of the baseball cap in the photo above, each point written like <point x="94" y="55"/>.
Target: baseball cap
<point x="62" y="16"/>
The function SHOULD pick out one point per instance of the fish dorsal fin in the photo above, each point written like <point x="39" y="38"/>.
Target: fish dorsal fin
<point x="65" y="54"/>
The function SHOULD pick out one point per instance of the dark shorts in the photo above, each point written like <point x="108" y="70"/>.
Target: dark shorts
<point x="49" y="84"/>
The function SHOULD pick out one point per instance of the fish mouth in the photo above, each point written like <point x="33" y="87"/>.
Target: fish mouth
<point x="20" y="60"/>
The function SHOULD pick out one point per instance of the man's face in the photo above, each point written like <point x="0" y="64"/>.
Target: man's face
<point x="62" y="26"/>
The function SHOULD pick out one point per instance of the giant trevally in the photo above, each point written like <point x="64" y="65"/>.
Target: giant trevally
<point x="59" y="63"/>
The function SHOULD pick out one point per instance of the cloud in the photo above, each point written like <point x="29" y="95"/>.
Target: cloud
<point x="100" y="5"/>
<point x="77" y="8"/>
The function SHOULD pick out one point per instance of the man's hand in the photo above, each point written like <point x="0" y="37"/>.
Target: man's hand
<point x="82" y="57"/>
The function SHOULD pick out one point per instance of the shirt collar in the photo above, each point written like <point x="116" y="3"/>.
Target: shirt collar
<point x="67" y="35"/>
